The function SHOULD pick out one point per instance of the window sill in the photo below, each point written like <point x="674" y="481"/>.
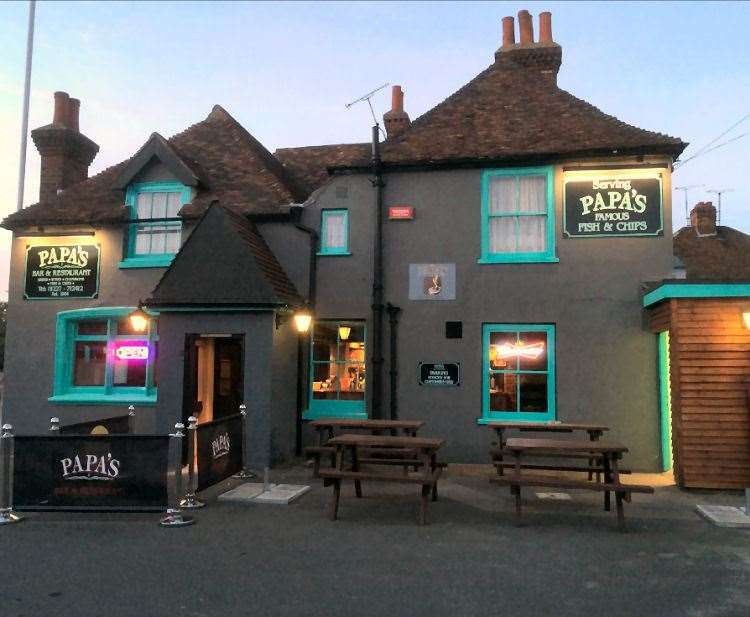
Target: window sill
<point x="518" y="259"/>
<point x="147" y="261"/>
<point x="318" y="414"/>
<point x="516" y="417"/>
<point x="321" y="254"/>
<point x="103" y="399"/>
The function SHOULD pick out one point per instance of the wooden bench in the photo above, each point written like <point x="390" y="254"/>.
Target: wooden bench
<point x="426" y="450"/>
<point x="608" y="455"/>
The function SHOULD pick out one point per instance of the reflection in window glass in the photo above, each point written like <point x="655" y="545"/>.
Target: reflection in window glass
<point x="89" y="328"/>
<point x="90" y="363"/>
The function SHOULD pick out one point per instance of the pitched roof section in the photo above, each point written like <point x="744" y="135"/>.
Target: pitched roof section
<point x="309" y="164"/>
<point x="725" y="256"/>
<point x="159" y="148"/>
<point x="225" y="262"/>
<point x="231" y="164"/>
<point x="508" y="113"/>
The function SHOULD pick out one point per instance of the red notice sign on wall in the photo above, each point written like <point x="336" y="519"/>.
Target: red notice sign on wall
<point x="401" y="213"/>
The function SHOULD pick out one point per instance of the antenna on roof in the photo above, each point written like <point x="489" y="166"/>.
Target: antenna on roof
<point x="719" y="192"/>
<point x="685" y="190"/>
<point x="368" y="97"/>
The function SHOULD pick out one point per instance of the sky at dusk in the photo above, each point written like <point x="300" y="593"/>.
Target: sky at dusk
<point x="286" y="70"/>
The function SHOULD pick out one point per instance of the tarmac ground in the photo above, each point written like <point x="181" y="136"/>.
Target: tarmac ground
<point x="568" y="558"/>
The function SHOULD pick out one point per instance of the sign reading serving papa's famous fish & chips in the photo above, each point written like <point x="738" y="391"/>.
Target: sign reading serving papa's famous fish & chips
<point x="612" y="205"/>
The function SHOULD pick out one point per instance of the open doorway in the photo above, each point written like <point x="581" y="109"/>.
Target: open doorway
<point x="214" y="376"/>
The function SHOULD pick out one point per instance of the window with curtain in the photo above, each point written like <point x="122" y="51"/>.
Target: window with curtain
<point x="519" y="372"/>
<point x="99" y="358"/>
<point x="155" y="231"/>
<point x="334" y="232"/>
<point x="518" y="215"/>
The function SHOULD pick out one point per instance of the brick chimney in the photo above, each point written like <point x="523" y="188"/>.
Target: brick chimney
<point x="703" y="219"/>
<point x="396" y="120"/>
<point x="542" y="57"/>
<point x="66" y="153"/>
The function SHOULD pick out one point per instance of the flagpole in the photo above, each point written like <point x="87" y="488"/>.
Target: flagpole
<point x="26" y="93"/>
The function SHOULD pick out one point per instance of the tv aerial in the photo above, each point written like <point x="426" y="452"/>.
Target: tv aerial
<point x="368" y="97"/>
<point x="719" y="192"/>
<point x="685" y="190"/>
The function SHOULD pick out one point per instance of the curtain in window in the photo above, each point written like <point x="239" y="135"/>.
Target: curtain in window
<point x="520" y="196"/>
<point x="335" y="231"/>
<point x="157" y="238"/>
<point x="532" y="230"/>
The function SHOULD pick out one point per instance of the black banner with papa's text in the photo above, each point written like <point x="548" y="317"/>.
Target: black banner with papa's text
<point x="62" y="271"/>
<point x="91" y="472"/>
<point x="219" y="450"/>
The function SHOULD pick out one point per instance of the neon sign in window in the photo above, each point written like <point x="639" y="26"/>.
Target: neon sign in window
<point x="132" y="352"/>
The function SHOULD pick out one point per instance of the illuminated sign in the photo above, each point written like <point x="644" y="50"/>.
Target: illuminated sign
<point x="401" y="213"/>
<point x="61" y="271"/>
<point x="530" y="352"/>
<point x="612" y="204"/>
<point x="132" y="352"/>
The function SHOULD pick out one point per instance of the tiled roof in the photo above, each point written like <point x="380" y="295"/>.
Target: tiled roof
<point x="309" y="164"/>
<point x="244" y="272"/>
<point x="725" y="256"/>
<point x="235" y="168"/>
<point x="512" y="113"/>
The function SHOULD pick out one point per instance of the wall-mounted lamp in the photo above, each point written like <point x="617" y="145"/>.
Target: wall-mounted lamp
<point x="302" y="320"/>
<point x="139" y="319"/>
<point x="746" y="316"/>
<point x="344" y="332"/>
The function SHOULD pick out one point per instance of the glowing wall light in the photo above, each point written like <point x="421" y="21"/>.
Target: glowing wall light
<point x="302" y="320"/>
<point x="746" y="316"/>
<point x="344" y="332"/>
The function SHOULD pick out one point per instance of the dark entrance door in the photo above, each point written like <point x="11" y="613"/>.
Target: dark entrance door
<point x="228" y="376"/>
<point x="214" y="376"/>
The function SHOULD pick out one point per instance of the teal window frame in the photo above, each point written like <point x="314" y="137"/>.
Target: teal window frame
<point x="154" y="260"/>
<point x="547" y="256"/>
<point x="335" y="250"/>
<point x="319" y="408"/>
<point x="487" y="414"/>
<point x="66" y="336"/>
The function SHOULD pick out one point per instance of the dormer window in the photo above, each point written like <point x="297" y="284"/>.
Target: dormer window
<point x="154" y="234"/>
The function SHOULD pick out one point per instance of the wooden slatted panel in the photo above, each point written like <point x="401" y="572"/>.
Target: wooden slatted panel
<point x="659" y="317"/>
<point x="710" y="373"/>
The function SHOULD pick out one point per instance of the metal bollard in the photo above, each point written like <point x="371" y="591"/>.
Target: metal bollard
<point x="190" y="501"/>
<point x="7" y="516"/>
<point x="54" y="425"/>
<point x="173" y="516"/>
<point x="131" y="420"/>
<point x="245" y="473"/>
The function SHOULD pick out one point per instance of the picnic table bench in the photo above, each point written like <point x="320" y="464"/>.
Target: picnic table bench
<point x="327" y="427"/>
<point x="594" y="431"/>
<point x="609" y="453"/>
<point x="427" y="477"/>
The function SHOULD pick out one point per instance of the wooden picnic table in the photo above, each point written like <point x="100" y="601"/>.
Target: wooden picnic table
<point x="427" y="476"/>
<point x="608" y="452"/>
<point x="594" y="431"/>
<point x="327" y="426"/>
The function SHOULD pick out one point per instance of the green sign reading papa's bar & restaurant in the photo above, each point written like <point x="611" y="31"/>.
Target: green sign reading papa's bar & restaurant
<point x="62" y="271"/>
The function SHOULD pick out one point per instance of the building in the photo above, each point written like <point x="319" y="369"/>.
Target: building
<point x="485" y="261"/>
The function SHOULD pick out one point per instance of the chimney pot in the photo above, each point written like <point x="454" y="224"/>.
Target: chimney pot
<point x="60" y="117"/>
<point x="703" y="219"/>
<point x="545" y="27"/>
<point x="74" y="105"/>
<point x="396" y="120"/>
<point x="397" y="98"/>
<point x="509" y="34"/>
<point x="526" y="27"/>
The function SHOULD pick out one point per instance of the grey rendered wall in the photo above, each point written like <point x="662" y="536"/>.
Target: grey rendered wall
<point x="284" y="392"/>
<point x="292" y="248"/>
<point x="606" y="364"/>
<point x="257" y="329"/>
<point x="30" y="339"/>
